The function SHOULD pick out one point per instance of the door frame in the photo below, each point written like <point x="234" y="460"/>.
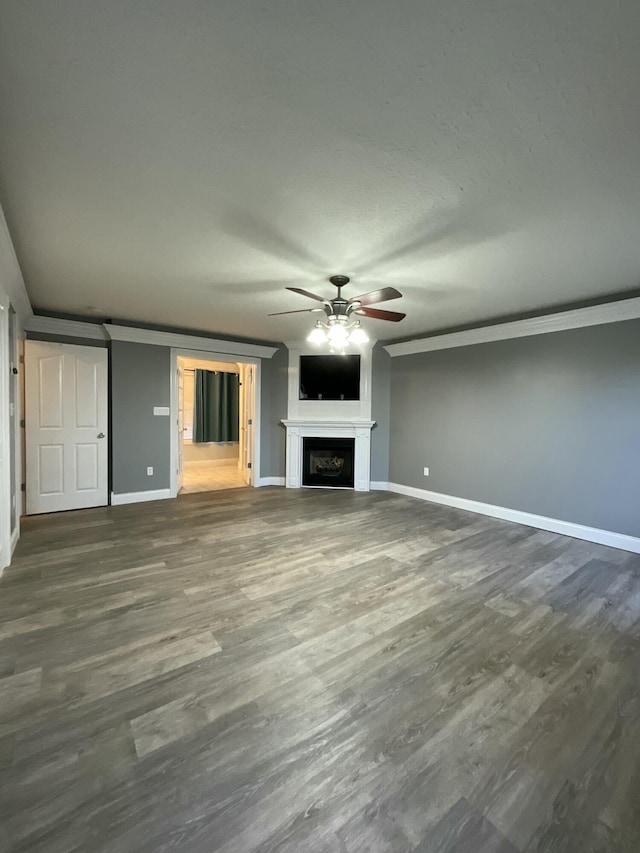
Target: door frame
<point x="16" y="384"/>
<point x="5" y="439"/>
<point x="247" y="436"/>
<point x="179" y="377"/>
<point x="203" y="355"/>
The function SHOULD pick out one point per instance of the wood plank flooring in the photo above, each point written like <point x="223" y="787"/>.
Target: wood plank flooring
<point x="270" y="671"/>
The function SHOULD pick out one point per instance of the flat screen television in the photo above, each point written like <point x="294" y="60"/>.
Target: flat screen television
<point x="329" y="377"/>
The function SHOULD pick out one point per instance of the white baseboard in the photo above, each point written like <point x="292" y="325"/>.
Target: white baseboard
<point x="6" y="556"/>
<point x="140" y="497"/>
<point x="15" y="536"/>
<point x="270" y="481"/>
<point x="379" y="486"/>
<point x="567" y="528"/>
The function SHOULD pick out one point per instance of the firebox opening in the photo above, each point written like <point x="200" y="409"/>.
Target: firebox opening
<point x="328" y="462"/>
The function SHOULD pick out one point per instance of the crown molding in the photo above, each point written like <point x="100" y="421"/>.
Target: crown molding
<point x="107" y="331"/>
<point x="577" y="318"/>
<point x="11" y="274"/>
<point x="174" y="339"/>
<point x="65" y="328"/>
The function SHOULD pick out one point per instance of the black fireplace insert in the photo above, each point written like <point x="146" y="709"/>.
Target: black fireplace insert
<point x="328" y="462"/>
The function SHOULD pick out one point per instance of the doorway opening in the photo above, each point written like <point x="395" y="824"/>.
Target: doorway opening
<point x="215" y="408"/>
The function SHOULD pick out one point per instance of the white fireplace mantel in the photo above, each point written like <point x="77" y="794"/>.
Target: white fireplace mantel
<point x="360" y="430"/>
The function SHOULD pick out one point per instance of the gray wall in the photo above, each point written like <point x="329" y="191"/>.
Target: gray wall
<point x="547" y="424"/>
<point x="380" y="413"/>
<point x="274" y="404"/>
<point x="140" y="380"/>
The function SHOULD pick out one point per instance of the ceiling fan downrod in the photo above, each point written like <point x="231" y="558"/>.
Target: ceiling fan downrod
<point x="339" y="281"/>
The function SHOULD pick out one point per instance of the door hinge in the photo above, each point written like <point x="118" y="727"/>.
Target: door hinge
<point x="250" y="421"/>
<point x="23" y="487"/>
<point x="249" y="465"/>
<point x="22" y="423"/>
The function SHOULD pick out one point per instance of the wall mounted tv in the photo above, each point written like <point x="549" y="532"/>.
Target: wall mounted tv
<point x="329" y="377"/>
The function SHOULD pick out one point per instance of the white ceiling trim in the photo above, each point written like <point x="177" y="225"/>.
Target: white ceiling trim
<point x="65" y="328"/>
<point x="176" y="340"/>
<point x="11" y="278"/>
<point x="595" y="315"/>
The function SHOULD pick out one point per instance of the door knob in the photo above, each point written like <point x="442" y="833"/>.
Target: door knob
<point x="100" y="435"/>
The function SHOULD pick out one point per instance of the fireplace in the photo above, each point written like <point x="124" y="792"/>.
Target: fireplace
<point x="327" y="462"/>
<point x="344" y="461"/>
<point x="350" y="435"/>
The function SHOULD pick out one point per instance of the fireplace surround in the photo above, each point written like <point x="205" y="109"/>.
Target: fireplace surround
<point x="359" y="431"/>
<point x="328" y="419"/>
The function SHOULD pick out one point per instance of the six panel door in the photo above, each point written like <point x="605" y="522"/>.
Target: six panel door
<point x="66" y="418"/>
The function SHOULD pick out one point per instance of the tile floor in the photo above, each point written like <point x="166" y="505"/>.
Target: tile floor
<point x="207" y="477"/>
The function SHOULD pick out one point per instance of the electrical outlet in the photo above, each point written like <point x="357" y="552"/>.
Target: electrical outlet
<point x="149" y="471"/>
<point x="426" y="472"/>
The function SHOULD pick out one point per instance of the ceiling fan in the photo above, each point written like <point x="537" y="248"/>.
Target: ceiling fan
<point x="340" y="327"/>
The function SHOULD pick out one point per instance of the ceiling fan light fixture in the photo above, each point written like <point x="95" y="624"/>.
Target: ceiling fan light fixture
<point x="339" y="327"/>
<point x="358" y="335"/>
<point x="338" y="333"/>
<point x="317" y="335"/>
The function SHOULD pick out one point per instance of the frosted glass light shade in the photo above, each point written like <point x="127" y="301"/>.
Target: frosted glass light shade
<point x="358" y="335"/>
<point x="317" y="335"/>
<point x="337" y="334"/>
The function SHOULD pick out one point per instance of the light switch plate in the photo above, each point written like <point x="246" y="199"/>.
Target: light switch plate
<point x="161" y="410"/>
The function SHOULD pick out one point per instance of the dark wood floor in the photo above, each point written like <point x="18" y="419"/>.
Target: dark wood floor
<point x="316" y="672"/>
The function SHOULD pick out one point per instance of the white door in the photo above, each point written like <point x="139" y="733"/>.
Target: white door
<point x="66" y="426"/>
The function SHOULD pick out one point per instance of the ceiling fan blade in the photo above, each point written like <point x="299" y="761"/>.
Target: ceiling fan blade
<point x="382" y="295"/>
<point x="378" y="314"/>
<point x="306" y="293"/>
<point x="299" y="311"/>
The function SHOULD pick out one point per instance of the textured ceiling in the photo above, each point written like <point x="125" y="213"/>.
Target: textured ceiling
<point x="181" y="162"/>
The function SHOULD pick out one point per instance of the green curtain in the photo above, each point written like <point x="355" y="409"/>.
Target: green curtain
<point x="216" y="409"/>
